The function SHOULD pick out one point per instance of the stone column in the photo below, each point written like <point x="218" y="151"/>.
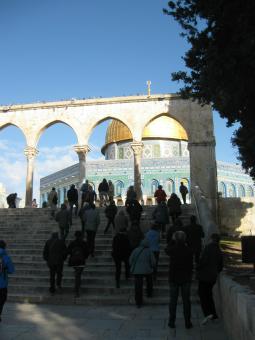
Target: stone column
<point x="203" y="171"/>
<point x="82" y="151"/>
<point x="30" y="153"/>
<point x="137" y="148"/>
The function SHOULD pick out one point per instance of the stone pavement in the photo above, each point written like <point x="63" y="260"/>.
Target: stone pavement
<point x="58" y="322"/>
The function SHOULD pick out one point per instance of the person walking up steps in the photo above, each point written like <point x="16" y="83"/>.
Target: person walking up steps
<point x="160" y="194"/>
<point x="174" y="207"/>
<point x="110" y="213"/>
<point x="64" y="221"/>
<point x="103" y="190"/>
<point x="195" y="234"/>
<point x="91" y="220"/>
<point x="183" y="191"/>
<point x="53" y="201"/>
<point x="180" y="276"/>
<point x="142" y="263"/>
<point x="72" y="196"/>
<point x="79" y="252"/>
<point x="55" y="253"/>
<point x="153" y="237"/>
<point x="120" y="253"/>
<point x="6" y="267"/>
<point x="210" y="265"/>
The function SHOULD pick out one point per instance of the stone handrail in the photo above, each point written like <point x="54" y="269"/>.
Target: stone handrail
<point x="204" y="213"/>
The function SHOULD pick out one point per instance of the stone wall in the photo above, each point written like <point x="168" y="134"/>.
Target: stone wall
<point x="237" y="215"/>
<point x="236" y="304"/>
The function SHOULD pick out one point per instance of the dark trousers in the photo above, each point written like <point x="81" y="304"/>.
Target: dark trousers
<point x="91" y="235"/>
<point x="184" y="198"/>
<point x="64" y="232"/>
<point x="3" y="298"/>
<point x="175" y="216"/>
<point x="118" y="268"/>
<point x="196" y="255"/>
<point x="206" y="297"/>
<point x="174" y="293"/>
<point x="55" y="270"/>
<point x="77" y="275"/>
<point x="155" y="271"/>
<point x="110" y="221"/>
<point x="162" y="227"/>
<point x="71" y="204"/>
<point x="139" y="287"/>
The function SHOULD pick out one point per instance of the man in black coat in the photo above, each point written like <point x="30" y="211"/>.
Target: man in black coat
<point x="79" y="252"/>
<point x="110" y="212"/>
<point x="180" y="276"/>
<point x="72" y="196"/>
<point x="121" y="250"/>
<point x="134" y="210"/>
<point x="210" y="265"/>
<point x="54" y="253"/>
<point x="194" y="234"/>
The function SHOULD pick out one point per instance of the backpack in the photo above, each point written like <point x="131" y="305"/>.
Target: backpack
<point x="2" y="266"/>
<point x="77" y="257"/>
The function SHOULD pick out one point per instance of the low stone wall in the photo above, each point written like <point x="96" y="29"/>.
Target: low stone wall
<point x="236" y="304"/>
<point x="237" y="215"/>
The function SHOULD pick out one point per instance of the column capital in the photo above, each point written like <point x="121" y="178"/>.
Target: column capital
<point x="81" y="149"/>
<point x="30" y="152"/>
<point x="137" y="147"/>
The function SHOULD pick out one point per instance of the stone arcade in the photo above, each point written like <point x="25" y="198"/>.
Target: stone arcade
<point x="136" y="112"/>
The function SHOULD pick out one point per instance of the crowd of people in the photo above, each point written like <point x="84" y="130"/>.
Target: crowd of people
<point x="138" y="250"/>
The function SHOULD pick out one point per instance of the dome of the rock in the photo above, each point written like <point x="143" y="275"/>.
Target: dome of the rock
<point x="163" y="127"/>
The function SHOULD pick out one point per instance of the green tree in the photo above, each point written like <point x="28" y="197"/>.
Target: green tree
<point x="221" y="63"/>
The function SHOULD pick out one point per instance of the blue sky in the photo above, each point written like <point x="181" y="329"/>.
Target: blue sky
<point x="61" y="49"/>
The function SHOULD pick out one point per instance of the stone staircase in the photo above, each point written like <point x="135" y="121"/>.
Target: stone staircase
<point x="26" y="231"/>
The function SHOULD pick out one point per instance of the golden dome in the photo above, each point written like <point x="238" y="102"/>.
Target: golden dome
<point x="161" y="128"/>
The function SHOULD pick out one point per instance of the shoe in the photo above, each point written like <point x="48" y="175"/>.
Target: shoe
<point x="206" y="319"/>
<point x="138" y="306"/>
<point x="188" y="325"/>
<point x="171" y="324"/>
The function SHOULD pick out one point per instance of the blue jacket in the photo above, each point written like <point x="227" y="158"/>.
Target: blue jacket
<point x="8" y="268"/>
<point x="153" y="238"/>
<point x="142" y="260"/>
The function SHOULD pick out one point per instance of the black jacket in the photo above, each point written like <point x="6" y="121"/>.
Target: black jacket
<point x="78" y="244"/>
<point x="180" y="263"/>
<point x="121" y="248"/>
<point x="194" y="234"/>
<point x="134" y="210"/>
<point x="210" y="264"/>
<point x="72" y="195"/>
<point x="103" y="187"/>
<point x="55" y="251"/>
<point x="111" y="211"/>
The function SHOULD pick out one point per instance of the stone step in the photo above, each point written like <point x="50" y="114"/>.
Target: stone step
<point x="26" y="234"/>
<point x="100" y="289"/>
<point x="68" y="279"/>
<point x="89" y="271"/>
<point x="89" y="300"/>
<point x="97" y="259"/>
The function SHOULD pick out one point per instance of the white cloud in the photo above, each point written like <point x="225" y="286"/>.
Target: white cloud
<point x="49" y="160"/>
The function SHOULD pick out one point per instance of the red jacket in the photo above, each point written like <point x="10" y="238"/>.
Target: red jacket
<point x="160" y="195"/>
